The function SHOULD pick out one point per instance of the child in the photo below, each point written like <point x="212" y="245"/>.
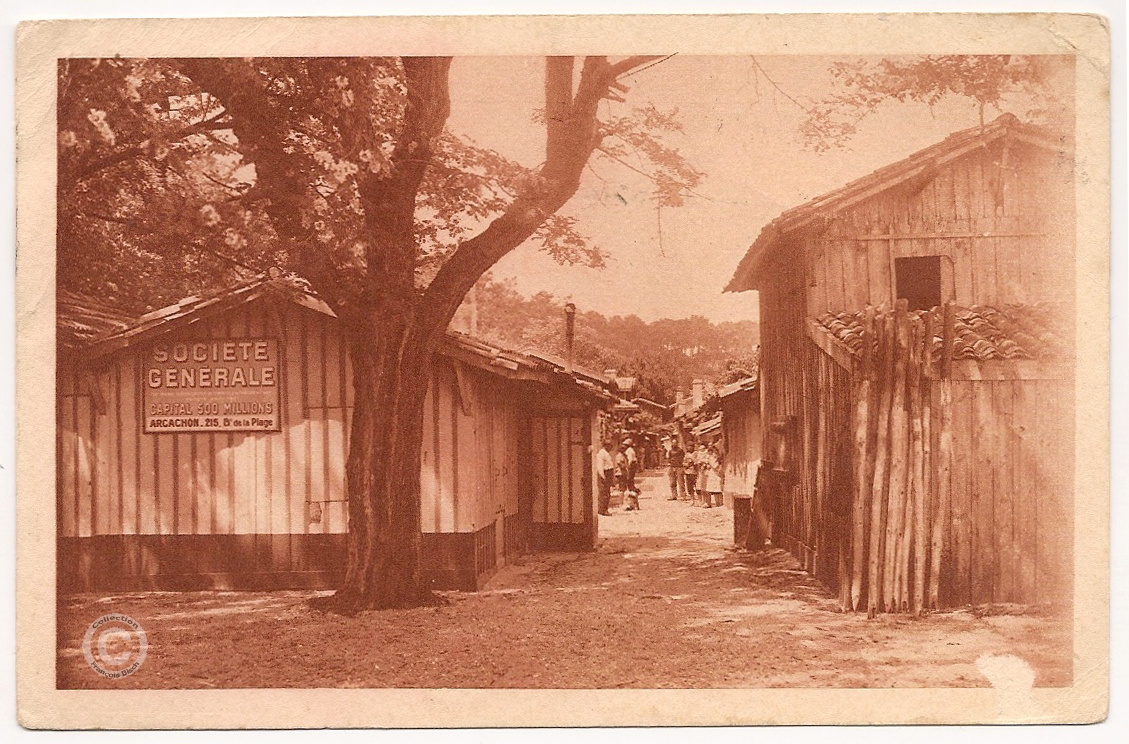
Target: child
<point x="713" y="479"/>
<point x="702" y="460"/>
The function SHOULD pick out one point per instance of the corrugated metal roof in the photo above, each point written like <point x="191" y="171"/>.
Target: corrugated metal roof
<point x="81" y="319"/>
<point x="982" y="332"/>
<point x="559" y="362"/>
<point x="922" y="163"/>
<point x="740" y="386"/>
<point x="96" y="329"/>
<point x="73" y="312"/>
<point x="708" y="426"/>
<point x="647" y="403"/>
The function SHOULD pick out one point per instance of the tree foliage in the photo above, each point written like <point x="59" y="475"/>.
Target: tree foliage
<point x="664" y="355"/>
<point x="173" y="172"/>
<point x="163" y="192"/>
<point x="988" y="81"/>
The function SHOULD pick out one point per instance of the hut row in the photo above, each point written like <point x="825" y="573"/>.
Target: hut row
<point x="730" y="416"/>
<point x="916" y="375"/>
<point x="203" y="445"/>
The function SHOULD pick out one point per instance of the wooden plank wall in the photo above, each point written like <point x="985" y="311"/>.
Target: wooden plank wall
<point x="782" y="348"/>
<point x="997" y="217"/>
<point x="116" y="480"/>
<point x="1002" y="216"/>
<point x="831" y="495"/>
<point x="783" y="340"/>
<point x="1010" y="534"/>
<point x="1006" y="535"/>
<point x="561" y="470"/>
<point x="815" y="527"/>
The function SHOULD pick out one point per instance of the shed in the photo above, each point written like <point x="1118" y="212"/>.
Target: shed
<point x="917" y="374"/>
<point x="170" y="479"/>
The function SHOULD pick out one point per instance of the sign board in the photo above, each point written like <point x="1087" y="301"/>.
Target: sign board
<point x="212" y="385"/>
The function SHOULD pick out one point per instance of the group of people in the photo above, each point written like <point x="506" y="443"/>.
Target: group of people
<point x="696" y="476"/>
<point x="618" y="470"/>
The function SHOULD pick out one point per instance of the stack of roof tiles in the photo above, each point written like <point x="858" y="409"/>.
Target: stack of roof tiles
<point x="981" y="332"/>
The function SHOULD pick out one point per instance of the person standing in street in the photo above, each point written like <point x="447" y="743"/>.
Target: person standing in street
<point x="674" y="470"/>
<point x="632" y="463"/>
<point x="702" y="461"/>
<point x="690" y="473"/>
<point x="620" y="463"/>
<point x="605" y="471"/>
<point x="713" y="490"/>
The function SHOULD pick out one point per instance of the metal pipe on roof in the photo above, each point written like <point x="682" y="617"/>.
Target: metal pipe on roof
<point x="570" y="332"/>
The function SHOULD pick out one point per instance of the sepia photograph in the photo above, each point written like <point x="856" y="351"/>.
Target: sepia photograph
<point x="523" y="371"/>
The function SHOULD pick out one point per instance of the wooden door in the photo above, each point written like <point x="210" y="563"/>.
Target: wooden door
<point x="560" y="480"/>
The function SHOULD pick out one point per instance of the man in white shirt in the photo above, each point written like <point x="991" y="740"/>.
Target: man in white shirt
<point x="605" y="471"/>
<point x="632" y="463"/>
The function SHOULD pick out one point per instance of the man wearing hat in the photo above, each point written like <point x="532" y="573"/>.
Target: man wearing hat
<point x="632" y="463"/>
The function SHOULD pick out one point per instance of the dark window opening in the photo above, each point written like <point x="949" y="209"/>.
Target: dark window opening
<point x="919" y="281"/>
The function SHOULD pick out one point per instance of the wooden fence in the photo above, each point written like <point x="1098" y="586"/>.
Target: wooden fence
<point x="902" y="485"/>
<point x="927" y="484"/>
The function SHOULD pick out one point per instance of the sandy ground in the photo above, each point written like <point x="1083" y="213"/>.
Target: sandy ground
<point x="662" y="602"/>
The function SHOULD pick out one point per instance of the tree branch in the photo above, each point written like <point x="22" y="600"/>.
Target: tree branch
<point x="135" y="150"/>
<point x="262" y="127"/>
<point x="630" y="63"/>
<point x="571" y="137"/>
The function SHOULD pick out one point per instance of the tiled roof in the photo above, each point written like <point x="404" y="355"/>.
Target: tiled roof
<point x="919" y="164"/>
<point x="981" y="332"/>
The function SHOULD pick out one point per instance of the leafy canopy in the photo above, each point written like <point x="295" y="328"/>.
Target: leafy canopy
<point x="162" y="192"/>
<point x="988" y="81"/>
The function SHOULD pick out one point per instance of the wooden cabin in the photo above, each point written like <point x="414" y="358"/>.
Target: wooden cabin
<point x="917" y="374"/>
<point x="173" y="476"/>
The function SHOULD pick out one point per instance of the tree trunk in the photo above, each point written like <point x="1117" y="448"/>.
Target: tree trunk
<point x="391" y="368"/>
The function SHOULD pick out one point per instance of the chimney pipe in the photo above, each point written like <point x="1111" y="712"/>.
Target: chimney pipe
<point x="699" y="393"/>
<point x="473" y="297"/>
<point x="570" y="333"/>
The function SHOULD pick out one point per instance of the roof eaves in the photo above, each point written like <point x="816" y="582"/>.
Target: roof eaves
<point x="918" y="164"/>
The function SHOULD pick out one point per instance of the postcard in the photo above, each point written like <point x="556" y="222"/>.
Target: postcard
<point x="563" y="371"/>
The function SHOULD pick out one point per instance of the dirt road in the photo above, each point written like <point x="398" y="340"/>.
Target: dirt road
<point x="662" y="602"/>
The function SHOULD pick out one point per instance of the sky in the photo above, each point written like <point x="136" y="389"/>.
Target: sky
<point x="740" y="128"/>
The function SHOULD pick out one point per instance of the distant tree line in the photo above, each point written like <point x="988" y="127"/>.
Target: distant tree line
<point x="663" y="355"/>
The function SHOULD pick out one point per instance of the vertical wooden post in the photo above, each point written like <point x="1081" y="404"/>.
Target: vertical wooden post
<point x="819" y="496"/>
<point x="913" y="463"/>
<point x="927" y="514"/>
<point x="898" y="445"/>
<point x="863" y="488"/>
<point x="880" y="484"/>
<point x="917" y="598"/>
<point x="944" y="457"/>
